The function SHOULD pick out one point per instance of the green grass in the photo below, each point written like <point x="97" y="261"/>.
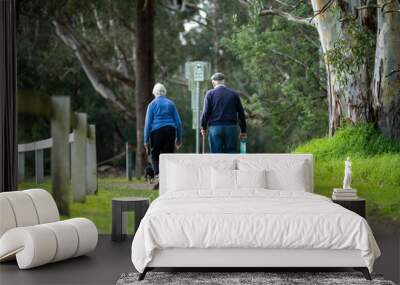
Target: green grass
<point x="375" y="165"/>
<point x="376" y="176"/>
<point x="98" y="207"/>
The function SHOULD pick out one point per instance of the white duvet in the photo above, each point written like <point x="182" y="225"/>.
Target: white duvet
<point x="250" y="219"/>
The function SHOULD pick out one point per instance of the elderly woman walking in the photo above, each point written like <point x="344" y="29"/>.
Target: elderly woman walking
<point x="163" y="127"/>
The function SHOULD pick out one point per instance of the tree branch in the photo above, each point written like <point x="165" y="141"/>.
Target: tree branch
<point x="205" y="25"/>
<point x="179" y="81"/>
<point x="174" y="5"/>
<point x="119" y="133"/>
<point x="392" y="72"/>
<point x="391" y="11"/>
<point x="124" y="23"/>
<point x="367" y="7"/>
<point x="323" y="9"/>
<point x="386" y="3"/>
<point x="284" y="74"/>
<point x="271" y="11"/>
<point x="287" y="4"/>
<point x="245" y="2"/>
<point x="295" y="60"/>
<point x="71" y="41"/>
<point x="91" y="56"/>
<point x="308" y="38"/>
<point x="288" y="16"/>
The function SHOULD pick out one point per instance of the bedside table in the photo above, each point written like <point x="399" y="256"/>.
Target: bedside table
<point x="120" y="206"/>
<point x="356" y="205"/>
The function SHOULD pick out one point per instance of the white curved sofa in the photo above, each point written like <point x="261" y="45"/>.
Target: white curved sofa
<point x="31" y="231"/>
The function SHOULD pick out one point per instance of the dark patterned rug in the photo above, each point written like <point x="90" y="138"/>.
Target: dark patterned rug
<point x="243" y="278"/>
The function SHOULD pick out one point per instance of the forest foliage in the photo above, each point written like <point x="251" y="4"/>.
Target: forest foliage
<point x="277" y="65"/>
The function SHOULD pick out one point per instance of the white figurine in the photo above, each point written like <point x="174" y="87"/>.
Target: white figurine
<point x="347" y="174"/>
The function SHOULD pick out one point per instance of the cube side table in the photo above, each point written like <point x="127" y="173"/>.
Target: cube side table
<point x="121" y="205"/>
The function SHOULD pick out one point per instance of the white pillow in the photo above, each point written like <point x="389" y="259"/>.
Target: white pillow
<point x="251" y="178"/>
<point x="227" y="179"/>
<point x="223" y="179"/>
<point x="281" y="175"/>
<point x="193" y="175"/>
<point x="182" y="177"/>
<point x="291" y="178"/>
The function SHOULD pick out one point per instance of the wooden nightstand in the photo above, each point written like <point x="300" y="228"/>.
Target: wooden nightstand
<point x="356" y="205"/>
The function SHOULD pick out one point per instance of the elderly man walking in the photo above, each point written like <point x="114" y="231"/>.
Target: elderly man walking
<point x="222" y="112"/>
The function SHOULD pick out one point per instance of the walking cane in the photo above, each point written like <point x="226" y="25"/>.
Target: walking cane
<point x="203" y="138"/>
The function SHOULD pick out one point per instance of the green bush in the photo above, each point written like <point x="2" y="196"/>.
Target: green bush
<point x="362" y="140"/>
<point x="375" y="164"/>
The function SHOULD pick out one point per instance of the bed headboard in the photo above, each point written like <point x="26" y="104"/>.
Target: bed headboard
<point x="212" y="158"/>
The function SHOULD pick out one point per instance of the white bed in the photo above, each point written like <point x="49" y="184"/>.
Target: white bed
<point x="214" y="224"/>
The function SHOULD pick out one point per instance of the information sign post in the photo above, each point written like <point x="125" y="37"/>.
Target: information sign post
<point x="197" y="73"/>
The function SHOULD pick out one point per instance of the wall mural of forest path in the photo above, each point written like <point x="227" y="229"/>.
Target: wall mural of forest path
<point x="318" y="76"/>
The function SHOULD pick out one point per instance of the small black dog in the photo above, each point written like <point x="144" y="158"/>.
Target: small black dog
<point x="149" y="173"/>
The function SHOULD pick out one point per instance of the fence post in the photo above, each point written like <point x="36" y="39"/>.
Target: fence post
<point x="128" y="153"/>
<point x="78" y="158"/>
<point x="91" y="161"/>
<point x="60" y="127"/>
<point x="39" y="166"/>
<point x="21" y="166"/>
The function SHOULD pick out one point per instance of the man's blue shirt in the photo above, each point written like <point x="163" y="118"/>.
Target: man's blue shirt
<point x="222" y="106"/>
<point x="162" y="112"/>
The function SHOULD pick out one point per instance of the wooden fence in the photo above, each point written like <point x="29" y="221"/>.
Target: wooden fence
<point x="73" y="155"/>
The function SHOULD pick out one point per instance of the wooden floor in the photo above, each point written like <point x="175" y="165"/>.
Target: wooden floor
<point x="110" y="260"/>
<point x="103" y="266"/>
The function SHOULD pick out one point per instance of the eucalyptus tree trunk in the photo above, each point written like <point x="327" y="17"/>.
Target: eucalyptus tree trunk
<point x="369" y="93"/>
<point x="350" y="102"/>
<point x="144" y="73"/>
<point x="386" y="78"/>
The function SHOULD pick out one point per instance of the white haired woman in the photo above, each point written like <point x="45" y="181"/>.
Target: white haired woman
<point x="163" y="127"/>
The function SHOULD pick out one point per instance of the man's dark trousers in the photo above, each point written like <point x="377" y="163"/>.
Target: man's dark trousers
<point x="223" y="138"/>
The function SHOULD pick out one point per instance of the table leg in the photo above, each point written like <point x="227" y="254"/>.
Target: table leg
<point x="117" y="222"/>
<point x="124" y="223"/>
<point x="140" y="211"/>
